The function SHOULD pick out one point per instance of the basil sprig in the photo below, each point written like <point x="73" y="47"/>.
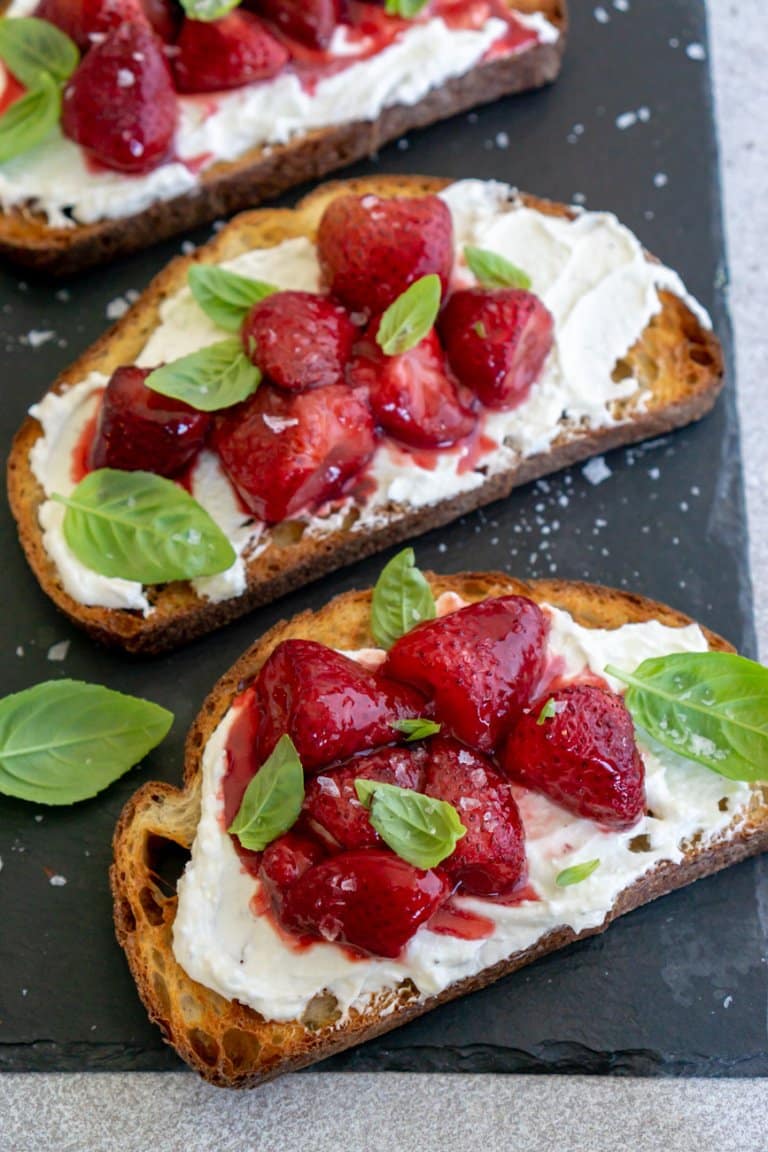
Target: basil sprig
<point x="273" y="799"/>
<point x="494" y="271"/>
<point x="408" y="320"/>
<point x="416" y="728"/>
<point x="225" y="296"/>
<point x="711" y="707"/>
<point x="138" y="526"/>
<point x="41" y="58"/>
<point x="405" y="8"/>
<point x="208" y="10"/>
<point x="64" y="740"/>
<point x="576" y="873"/>
<point x="402" y="598"/>
<point x="421" y="830"/>
<point x="216" y="377"/>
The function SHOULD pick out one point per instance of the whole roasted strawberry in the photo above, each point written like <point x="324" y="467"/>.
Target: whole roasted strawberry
<point x="84" y="21"/>
<point x="577" y="746"/>
<point x="371" y="248"/>
<point x="311" y="21"/>
<point x="286" y="859"/>
<point x="120" y="103"/>
<point x="227" y="53"/>
<point x="299" y="340"/>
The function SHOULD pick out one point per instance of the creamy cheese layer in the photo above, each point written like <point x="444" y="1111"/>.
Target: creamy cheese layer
<point x="219" y="941"/>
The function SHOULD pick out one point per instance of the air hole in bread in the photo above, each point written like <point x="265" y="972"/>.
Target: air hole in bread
<point x="641" y="843"/>
<point x="322" y="1011"/>
<point x="204" y="1046"/>
<point x="240" y="1048"/>
<point x="161" y="992"/>
<point x="723" y="804"/>
<point x="125" y="916"/>
<point x="165" y="860"/>
<point x="151" y="906"/>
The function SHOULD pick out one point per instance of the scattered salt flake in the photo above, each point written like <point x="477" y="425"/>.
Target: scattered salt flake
<point x="125" y="78"/>
<point x="654" y="473"/>
<point x="25" y="991"/>
<point x="39" y="818"/>
<point x="626" y="120"/>
<point x="502" y="140"/>
<point x="187" y="248"/>
<point x="63" y="295"/>
<point x="57" y="881"/>
<point x="601" y="15"/>
<point x="403" y="143"/>
<point x="621" y="5"/>
<point x="728" y="1001"/>
<point x="596" y="470"/>
<point x="674" y="42"/>
<point x="644" y="114"/>
<point x="696" y="52"/>
<point x="1" y="863"/>
<point x="20" y="650"/>
<point x="59" y="651"/>
<point x="278" y="424"/>
<point x="118" y="307"/>
<point x="36" y="337"/>
<point x="660" y="180"/>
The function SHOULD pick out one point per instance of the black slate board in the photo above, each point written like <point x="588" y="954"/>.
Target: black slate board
<point x="679" y="987"/>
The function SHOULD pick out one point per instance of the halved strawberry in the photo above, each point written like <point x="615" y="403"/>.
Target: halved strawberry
<point x="331" y="800"/>
<point x="369" y="899"/>
<point x="329" y="705"/>
<point x="371" y="249"/>
<point x="299" y="340"/>
<point x="120" y="104"/>
<point x="311" y="21"/>
<point x="583" y="757"/>
<point x="227" y="53"/>
<point x="479" y="665"/>
<point x="412" y="395"/>
<point x="290" y="452"/>
<point x="286" y="859"/>
<point x="139" y="429"/>
<point x="84" y="20"/>
<point x="497" y="342"/>
<point x="489" y="860"/>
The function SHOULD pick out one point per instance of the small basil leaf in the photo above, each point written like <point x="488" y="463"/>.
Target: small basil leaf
<point x="208" y="10"/>
<point x="138" y="526"/>
<point x="402" y="598"/>
<point x="216" y="377"/>
<point x="420" y="829"/>
<point x="416" y="728"/>
<point x="493" y="271"/>
<point x="224" y="296"/>
<point x="32" y="48"/>
<point x="405" y="8"/>
<point x="30" y="119"/>
<point x="64" y="741"/>
<point x="548" y="711"/>
<point x="576" y="873"/>
<point x="711" y="707"/>
<point x="273" y="799"/>
<point x="408" y="320"/>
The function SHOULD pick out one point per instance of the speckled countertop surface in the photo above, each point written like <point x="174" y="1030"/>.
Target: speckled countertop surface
<point x="177" y="1113"/>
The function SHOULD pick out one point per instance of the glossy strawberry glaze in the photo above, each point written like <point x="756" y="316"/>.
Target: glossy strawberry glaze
<point x="81" y="453"/>
<point x="240" y="770"/>
<point x="450" y="920"/>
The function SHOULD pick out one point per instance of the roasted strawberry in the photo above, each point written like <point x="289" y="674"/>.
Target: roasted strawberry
<point x="289" y="453"/>
<point x="140" y="430"/>
<point x="120" y="104"/>
<point x="164" y="17"/>
<point x="227" y="53"/>
<point x="412" y="395"/>
<point x="86" y="20"/>
<point x="479" y="665"/>
<point x="310" y="21"/>
<point x="288" y="858"/>
<point x="489" y="860"/>
<point x="583" y="756"/>
<point x="331" y="800"/>
<point x="372" y="249"/>
<point x="370" y="899"/>
<point x="329" y="705"/>
<point x="299" y="340"/>
<point x="497" y="342"/>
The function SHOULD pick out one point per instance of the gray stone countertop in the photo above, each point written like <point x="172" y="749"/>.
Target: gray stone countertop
<point x="405" y="1113"/>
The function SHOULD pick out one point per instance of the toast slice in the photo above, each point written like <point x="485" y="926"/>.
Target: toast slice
<point x="232" y="1045"/>
<point x="263" y="173"/>
<point x="677" y="363"/>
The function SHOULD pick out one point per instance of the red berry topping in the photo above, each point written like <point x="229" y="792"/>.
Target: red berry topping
<point x="227" y="53"/>
<point x="583" y="757"/>
<point x="120" y="104"/>
<point x="370" y="899"/>
<point x="310" y="21"/>
<point x="289" y="453"/>
<point x="329" y="705"/>
<point x="140" y="430"/>
<point x="412" y="395"/>
<point x="497" y="342"/>
<point x="331" y="800"/>
<point x="164" y="17"/>
<point x="286" y="859"/>
<point x="480" y="665"/>
<point x="372" y="249"/>
<point x="82" y="20"/>
<point x="489" y="860"/>
<point x="299" y="340"/>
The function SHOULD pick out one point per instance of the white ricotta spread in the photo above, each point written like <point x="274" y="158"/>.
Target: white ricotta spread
<point x="55" y="179"/>
<point x="220" y="942"/>
<point x="591" y="273"/>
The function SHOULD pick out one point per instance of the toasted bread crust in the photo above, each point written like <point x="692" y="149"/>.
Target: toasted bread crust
<point x="677" y="361"/>
<point x="230" y="1044"/>
<point x="263" y="173"/>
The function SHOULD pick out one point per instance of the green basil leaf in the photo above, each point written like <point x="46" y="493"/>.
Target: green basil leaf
<point x="208" y="10"/>
<point x="405" y="8"/>
<point x="64" y="741"/>
<point x="420" y="829"/>
<point x="576" y="873"/>
<point x="30" y="119"/>
<point x="548" y="711"/>
<point x="139" y="526"/>
<point x="32" y="48"/>
<point x="711" y="707"/>
<point x="216" y="377"/>
<point x="224" y="296"/>
<point x="408" y="320"/>
<point x="273" y="799"/>
<point x="402" y="598"/>
<point x="493" y="271"/>
<point x="416" y="728"/>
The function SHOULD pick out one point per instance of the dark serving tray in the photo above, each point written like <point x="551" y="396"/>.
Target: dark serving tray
<point x="678" y="987"/>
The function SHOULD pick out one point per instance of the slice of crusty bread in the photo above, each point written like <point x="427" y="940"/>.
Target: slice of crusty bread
<point x="676" y="360"/>
<point x="263" y="173"/>
<point x="230" y="1044"/>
